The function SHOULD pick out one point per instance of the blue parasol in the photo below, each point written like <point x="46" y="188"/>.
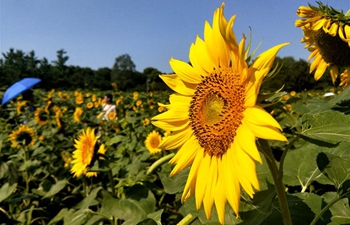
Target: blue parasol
<point x="18" y="88"/>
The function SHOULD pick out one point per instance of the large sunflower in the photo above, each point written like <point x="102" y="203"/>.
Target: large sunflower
<point x="84" y="154"/>
<point x="24" y="136"/>
<point x="327" y="37"/>
<point x="213" y="118"/>
<point x="152" y="142"/>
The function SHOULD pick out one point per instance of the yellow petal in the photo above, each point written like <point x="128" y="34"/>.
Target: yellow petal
<point x="202" y="180"/>
<point x="264" y="132"/>
<point x="333" y="30"/>
<point x="246" y="141"/>
<point x="192" y="176"/>
<point x="232" y="188"/>
<point x="220" y="195"/>
<point x="212" y="177"/>
<point x="176" y="139"/>
<point x="266" y="59"/>
<point x="200" y="58"/>
<point x="334" y="72"/>
<point x="176" y="84"/>
<point x="185" y="71"/>
<point x="321" y="68"/>
<point x="260" y="117"/>
<point x="172" y="125"/>
<point x="185" y="156"/>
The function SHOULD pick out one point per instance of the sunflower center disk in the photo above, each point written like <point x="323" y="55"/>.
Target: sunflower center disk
<point x="333" y="49"/>
<point x="216" y="111"/>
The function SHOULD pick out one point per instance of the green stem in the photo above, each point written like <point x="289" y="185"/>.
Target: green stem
<point x="112" y="181"/>
<point x="314" y="221"/>
<point x="187" y="220"/>
<point x="159" y="162"/>
<point x="277" y="178"/>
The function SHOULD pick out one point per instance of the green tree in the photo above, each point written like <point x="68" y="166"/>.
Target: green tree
<point x="123" y="72"/>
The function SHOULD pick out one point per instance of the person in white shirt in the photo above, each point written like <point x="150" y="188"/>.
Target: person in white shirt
<point x="108" y="107"/>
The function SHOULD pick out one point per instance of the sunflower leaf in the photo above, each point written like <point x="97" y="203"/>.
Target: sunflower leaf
<point x="6" y="190"/>
<point x="329" y="126"/>
<point x="334" y="168"/>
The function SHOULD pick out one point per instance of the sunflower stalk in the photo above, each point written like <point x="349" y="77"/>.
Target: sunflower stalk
<point x="187" y="220"/>
<point x="159" y="162"/>
<point x="277" y="178"/>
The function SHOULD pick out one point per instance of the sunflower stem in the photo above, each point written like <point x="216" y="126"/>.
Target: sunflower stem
<point x="112" y="182"/>
<point x="187" y="220"/>
<point x="277" y="178"/>
<point x="330" y="204"/>
<point x="159" y="162"/>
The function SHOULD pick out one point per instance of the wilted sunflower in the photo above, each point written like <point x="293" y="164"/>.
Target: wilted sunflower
<point x="41" y="116"/>
<point x="214" y="120"/>
<point x="20" y="105"/>
<point x="23" y="136"/>
<point x="84" y="154"/>
<point x="327" y="36"/>
<point x="152" y="142"/>
<point x="78" y="112"/>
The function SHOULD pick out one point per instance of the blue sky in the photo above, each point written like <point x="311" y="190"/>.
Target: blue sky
<point x="94" y="33"/>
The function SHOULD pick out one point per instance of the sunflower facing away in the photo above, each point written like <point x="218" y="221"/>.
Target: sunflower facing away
<point x="213" y="118"/>
<point x="77" y="113"/>
<point x="152" y="142"/>
<point x="23" y="136"/>
<point x="327" y="37"/>
<point x="85" y="152"/>
<point x="41" y="116"/>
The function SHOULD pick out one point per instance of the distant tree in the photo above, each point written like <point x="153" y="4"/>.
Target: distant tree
<point x="155" y="83"/>
<point x="123" y="72"/>
<point x="102" y="78"/>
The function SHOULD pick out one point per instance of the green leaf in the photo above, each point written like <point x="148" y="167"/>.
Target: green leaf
<point x="56" y="188"/>
<point x="124" y="209"/>
<point x="316" y="204"/>
<point x="116" y="139"/>
<point x="59" y="216"/>
<point x="143" y="196"/>
<point x="329" y="126"/>
<point x="335" y="168"/>
<point x="174" y="184"/>
<point x="259" y="207"/>
<point x="300" y="212"/>
<point x="340" y="210"/>
<point x="6" y="190"/>
<point x="300" y="167"/>
<point x="89" y="200"/>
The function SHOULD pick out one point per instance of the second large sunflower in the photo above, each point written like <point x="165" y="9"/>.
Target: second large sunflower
<point x="213" y="117"/>
<point x="327" y="37"/>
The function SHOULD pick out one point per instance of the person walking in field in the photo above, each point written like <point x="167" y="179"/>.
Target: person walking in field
<point x="109" y="109"/>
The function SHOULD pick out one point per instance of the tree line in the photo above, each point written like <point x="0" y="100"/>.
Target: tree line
<point x="16" y="64"/>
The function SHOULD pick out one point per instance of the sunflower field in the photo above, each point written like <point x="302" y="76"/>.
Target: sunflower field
<point x="220" y="148"/>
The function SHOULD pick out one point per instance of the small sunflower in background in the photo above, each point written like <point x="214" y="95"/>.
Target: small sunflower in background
<point x="145" y="122"/>
<point x="214" y="118"/>
<point x="114" y="85"/>
<point x="87" y="150"/>
<point x="41" y="116"/>
<point x="152" y="142"/>
<point x="327" y="37"/>
<point x="93" y="98"/>
<point x="112" y="116"/>
<point x="135" y="95"/>
<point x="89" y="105"/>
<point x="79" y="99"/>
<point x="24" y="136"/>
<point x="77" y="114"/>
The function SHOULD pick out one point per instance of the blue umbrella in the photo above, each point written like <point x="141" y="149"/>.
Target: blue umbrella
<point x="18" y="88"/>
